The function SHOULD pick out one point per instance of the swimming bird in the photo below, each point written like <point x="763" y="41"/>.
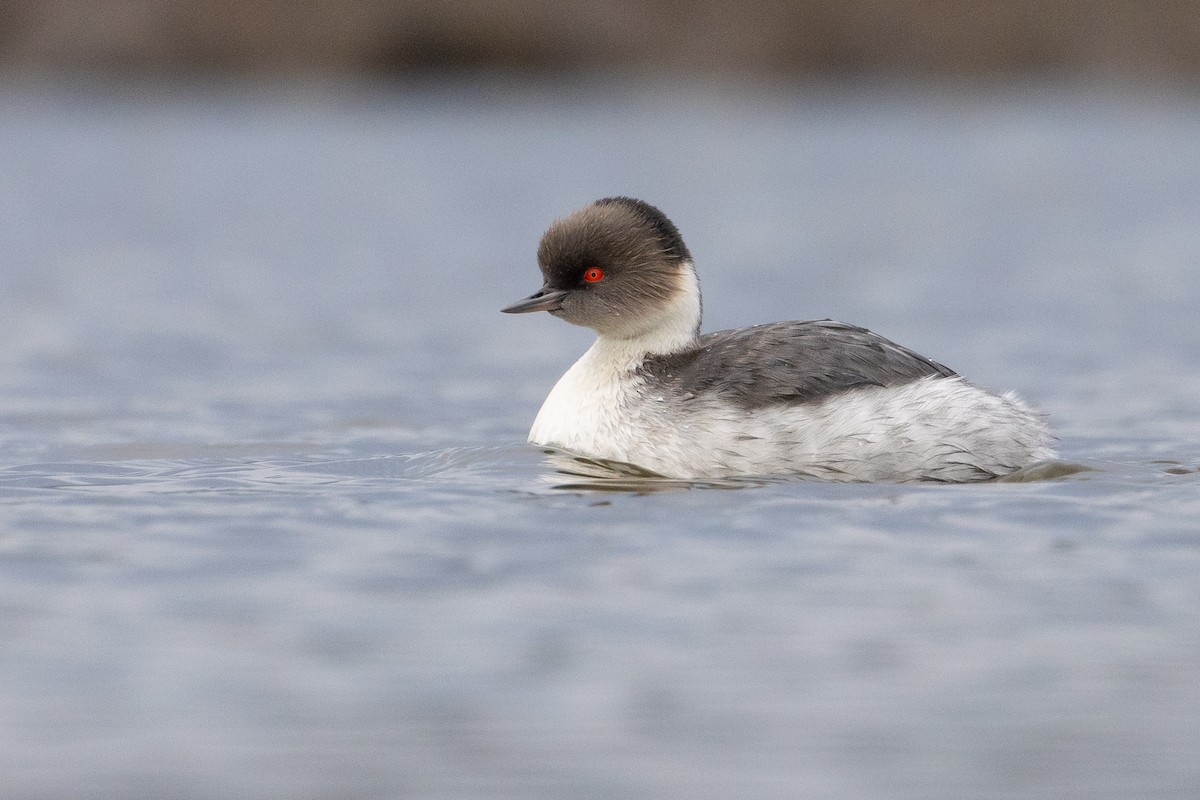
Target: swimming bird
<point x="816" y="399"/>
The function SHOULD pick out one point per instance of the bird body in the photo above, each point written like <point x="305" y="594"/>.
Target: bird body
<point x="818" y="399"/>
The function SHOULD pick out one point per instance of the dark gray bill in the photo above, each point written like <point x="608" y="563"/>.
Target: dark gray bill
<point x="542" y="300"/>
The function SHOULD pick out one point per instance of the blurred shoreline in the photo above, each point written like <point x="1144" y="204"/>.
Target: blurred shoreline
<point x="760" y="38"/>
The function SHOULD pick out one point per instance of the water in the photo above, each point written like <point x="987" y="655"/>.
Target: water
<point x="268" y="530"/>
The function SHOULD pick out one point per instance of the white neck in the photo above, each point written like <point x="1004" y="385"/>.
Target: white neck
<point x="670" y="330"/>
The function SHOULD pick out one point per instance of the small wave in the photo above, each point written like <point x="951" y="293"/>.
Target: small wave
<point x="1046" y="471"/>
<point x="606" y="475"/>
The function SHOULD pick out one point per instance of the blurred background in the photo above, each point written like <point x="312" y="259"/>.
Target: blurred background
<point x="268" y="524"/>
<point x="764" y="37"/>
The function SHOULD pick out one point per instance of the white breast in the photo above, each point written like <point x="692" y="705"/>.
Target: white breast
<point x="589" y="410"/>
<point x="600" y="408"/>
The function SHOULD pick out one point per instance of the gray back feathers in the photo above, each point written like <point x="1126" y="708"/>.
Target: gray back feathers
<point x="789" y="362"/>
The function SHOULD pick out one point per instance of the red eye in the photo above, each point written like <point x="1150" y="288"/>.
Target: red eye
<point x="593" y="274"/>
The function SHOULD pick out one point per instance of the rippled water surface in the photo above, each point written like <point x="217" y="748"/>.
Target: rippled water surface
<point x="268" y="529"/>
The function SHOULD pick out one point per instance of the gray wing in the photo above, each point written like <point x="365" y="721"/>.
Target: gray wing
<point x="790" y="362"/>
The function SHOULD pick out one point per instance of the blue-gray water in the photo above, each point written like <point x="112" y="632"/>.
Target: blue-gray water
<point x="268" y="530"/>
